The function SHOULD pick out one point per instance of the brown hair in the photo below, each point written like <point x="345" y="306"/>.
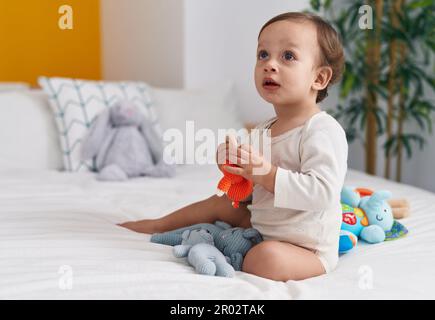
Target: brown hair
<point x="331" y="50"/>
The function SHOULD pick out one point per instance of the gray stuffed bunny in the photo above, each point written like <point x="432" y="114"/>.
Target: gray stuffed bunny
<point x="124" y="144"/>
<point x="198" y="246"/>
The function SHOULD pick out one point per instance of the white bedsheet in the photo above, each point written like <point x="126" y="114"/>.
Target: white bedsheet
<point x="51" y="222"/>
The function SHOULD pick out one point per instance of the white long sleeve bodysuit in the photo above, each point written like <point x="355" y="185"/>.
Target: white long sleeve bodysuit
<point x="305" y="208"/>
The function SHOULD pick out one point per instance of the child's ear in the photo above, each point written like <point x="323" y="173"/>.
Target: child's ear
<point x="324" y="75"/>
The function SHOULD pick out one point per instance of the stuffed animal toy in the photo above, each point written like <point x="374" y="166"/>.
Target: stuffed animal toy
<point x="198" y="246"/>
<point x="123" y="144"/>
<point x="369" y="218"/>
<point x="234" y="186"/>
<point x="234" y="243"/>
<point x="400" y="207"/>
<point x="174" y="237"/>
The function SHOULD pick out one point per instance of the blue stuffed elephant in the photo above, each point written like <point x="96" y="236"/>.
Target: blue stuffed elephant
<point x="124" y="144"/>
<point x="234" y="243"/>
<point x="198" y="246"/>
<point x="367" y="218"/>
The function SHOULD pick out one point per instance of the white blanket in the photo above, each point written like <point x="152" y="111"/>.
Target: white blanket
<point x="59" y="240"/>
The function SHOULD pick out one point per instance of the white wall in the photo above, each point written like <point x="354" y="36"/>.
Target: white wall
<point x="197" y="43"/>
<point x="189" y="43"/>
<point x="143" y="40"/>
<point x="221" y="43"/>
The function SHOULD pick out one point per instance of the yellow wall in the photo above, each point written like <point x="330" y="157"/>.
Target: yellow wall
<point x="32" y="44"/>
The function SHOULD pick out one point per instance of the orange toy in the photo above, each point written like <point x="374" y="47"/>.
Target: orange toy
<point x="364" y="192"/>
<point x="236" y="187"/>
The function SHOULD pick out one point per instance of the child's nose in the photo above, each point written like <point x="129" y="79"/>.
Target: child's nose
<point x="270" y="68"/>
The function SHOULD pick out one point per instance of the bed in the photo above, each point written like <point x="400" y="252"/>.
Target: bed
<point x="59" y="239"/>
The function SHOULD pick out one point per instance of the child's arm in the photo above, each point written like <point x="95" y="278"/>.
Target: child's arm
<point x="318" y="183"/>
<point x="267" y="181"/>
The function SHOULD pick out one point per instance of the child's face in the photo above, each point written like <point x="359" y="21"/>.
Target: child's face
<point x="288" y="53"/>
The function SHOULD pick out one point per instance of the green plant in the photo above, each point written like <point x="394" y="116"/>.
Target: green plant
<point x="386" y="74"/>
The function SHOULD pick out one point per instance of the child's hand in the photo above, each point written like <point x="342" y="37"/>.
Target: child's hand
<point x="252" y="166"/>
<point x="223" y="151"/>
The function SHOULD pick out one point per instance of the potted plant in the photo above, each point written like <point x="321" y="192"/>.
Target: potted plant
<point x="386" y="75"/>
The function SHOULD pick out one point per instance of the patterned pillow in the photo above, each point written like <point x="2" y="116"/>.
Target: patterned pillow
<point x="76" y="103"/>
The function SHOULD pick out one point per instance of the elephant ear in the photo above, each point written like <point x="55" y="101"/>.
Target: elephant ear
<point x="96" y="134"/>
<point x="378" y="198"/>
<point x="350" y="197"/>
<point x="253" y="235"/>
<point x="382" y="195"/>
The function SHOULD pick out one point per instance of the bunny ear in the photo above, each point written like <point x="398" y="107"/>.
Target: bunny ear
<point x="253" y="235"/>
<point x="152" y="138"/>
<point x="96" y="134"/>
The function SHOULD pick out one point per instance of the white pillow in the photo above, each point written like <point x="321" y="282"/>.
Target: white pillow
<point x="13" y="86"/>
<point x="76" y="103"/>
<point x="213" y="108"/>
<point x="28" y="134"/>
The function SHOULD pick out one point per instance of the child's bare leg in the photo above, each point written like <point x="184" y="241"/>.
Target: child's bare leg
<point x="204" y="211"/>
<point x="237" y="217"/>
<point x="282" y="261"/>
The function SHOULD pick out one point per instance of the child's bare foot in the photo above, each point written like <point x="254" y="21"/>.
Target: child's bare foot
<point x="148" y="226"/>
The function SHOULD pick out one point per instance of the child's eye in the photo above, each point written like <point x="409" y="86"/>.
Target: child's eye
<point x="262" y="55"/>
<point x="288" y="56"/>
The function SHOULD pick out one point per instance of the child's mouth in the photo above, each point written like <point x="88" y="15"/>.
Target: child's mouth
<point x="270" y="84"/>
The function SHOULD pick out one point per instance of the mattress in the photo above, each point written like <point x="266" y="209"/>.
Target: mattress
<point x="59" y="240"/>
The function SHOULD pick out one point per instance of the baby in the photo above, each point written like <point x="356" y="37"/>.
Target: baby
<point x="296" y="204"/>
